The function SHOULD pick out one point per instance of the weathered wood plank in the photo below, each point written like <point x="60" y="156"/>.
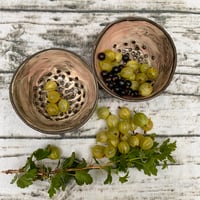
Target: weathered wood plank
<point x="102" y="5"/>
<point x="172" y="115"/>
<point x="24" y="33"/>
<point x="166" y="186"/>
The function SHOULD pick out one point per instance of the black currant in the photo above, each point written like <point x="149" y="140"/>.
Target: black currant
<point x="125" y="57"/>
<point x="101" y="56"/>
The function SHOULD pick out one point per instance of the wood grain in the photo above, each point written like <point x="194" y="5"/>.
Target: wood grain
<point x="30" y="26"/>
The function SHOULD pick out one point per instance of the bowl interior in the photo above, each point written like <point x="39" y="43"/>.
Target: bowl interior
<point x="75" y="81"/>
<point x="146" y="42"/>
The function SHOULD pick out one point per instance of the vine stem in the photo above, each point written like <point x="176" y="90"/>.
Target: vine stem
<point x="41" y="173"/>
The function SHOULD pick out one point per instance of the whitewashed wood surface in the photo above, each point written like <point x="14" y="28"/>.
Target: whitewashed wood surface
<point x="28" y="26"/>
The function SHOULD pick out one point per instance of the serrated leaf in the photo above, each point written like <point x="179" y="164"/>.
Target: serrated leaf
<point x="82" y="177"/>
<point x="41" y="154"/>
<point x="27" y="179"/>
<point x="124" y="178"/>
<point x="68" y="162"/>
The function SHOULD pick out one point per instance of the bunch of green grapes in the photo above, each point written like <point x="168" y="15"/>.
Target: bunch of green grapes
<point x="55" y="104"/>
<point x="121" y="133"/>
<point x="126" y="76"/>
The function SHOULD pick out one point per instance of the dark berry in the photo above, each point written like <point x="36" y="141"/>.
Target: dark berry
<point x="121" y="83"/>
<point x="101" y="56"/>
<point x="116" y="69"/>
<point x="125" y="57"/>
<point x="128" y="83"/>
<point x="104" y="74"/>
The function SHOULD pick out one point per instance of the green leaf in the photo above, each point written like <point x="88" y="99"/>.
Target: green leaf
<point x="82" y="177"/>
<point x="109" y="176"/>
<point x="27" y="179"/>
<point x="14" y="179"/>
<point x="41" y="154"/>
<point x="68" y="162"/>
<point x="124" y="178"/>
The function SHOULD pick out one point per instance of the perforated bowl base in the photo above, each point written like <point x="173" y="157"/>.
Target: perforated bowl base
<point x="70" y="88"/>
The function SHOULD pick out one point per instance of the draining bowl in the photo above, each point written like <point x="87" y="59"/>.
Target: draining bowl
<point x="145" y="42"/>
<point x="75" y="83"/>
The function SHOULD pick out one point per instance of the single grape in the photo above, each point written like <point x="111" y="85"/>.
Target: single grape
<point x="145" y="89"/>
<point x="134" y="85"/>
<point x="118" y="57"/>
<point x="147" y="143"/>
<point x="134" y="141"/>
<point x="141" y="78"/>
<point x="133" y="126"/>
<point x="102" y="136"/>
<point x="103" y="112"/>
<point x="113" y="131"/>
<point x="148" y="126"/>
<point x="124" y="126"/>
<point x="133" y="64"/>
<point x="54" y="152"/>
<point x="112" y="121"/>
<point x="144" y="67"/>
<point x="152" y="73"/>
<point x="140" y="137"/>
<point x="124" y="136"/>
<point x="124" y="112"/>
<point x="113" y="140"/>
<point x="98" y="151"/>
<point x="50" y="86"/>
<point x="52" y="109"/>
<point x="140" y="119"/>
<point x="110" y="55"/>
<point x="128" y="73"/>
<point x="110" y="151"/>
<point x="53" y="96"/>
<point x="63" y="105"/>
<point x="105" y="66"/>
<point x="123" y="147"/>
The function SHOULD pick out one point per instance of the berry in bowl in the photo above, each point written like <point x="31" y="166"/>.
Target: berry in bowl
<point x="134" y="59"/>
<point x="54" y="91"/>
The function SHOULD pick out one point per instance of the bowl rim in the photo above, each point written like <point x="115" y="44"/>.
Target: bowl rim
<point x="135" y="18"/>
<point x="52" y="132"/>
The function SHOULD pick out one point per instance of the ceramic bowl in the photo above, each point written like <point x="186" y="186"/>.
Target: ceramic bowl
<point x="75" y="83"/>
<point x="144" y="41"/>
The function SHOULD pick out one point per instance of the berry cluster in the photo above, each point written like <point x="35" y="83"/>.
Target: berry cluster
<point x="125" y="76"/>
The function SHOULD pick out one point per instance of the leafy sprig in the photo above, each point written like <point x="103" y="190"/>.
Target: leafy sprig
<point x="72" y="168"/>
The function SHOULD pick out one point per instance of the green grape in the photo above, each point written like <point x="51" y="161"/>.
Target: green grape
<point x="147" y="143"/>
<point x="112" y="121"/>
<point x="128" y="73"/>
<point x="52" y="109"/>
<point x="110" y="55"/>
<point x="63" y="105"/>
<point x="54" y="152"/>
<point x="152" y="73"/>
<point x="133" y="127"/>
<point x="123" y="147"/>
<point x="133" y="64"/>
<point x="134" y="141"/>
<point x="148" y="126"/>
<point x="118" y="57"/>
<point x="113" y="140"/>
<point x="113" y="132"/>
<point x="140" y="137"/>
<point x="141" y="78"/>
<point x="110" y="151"/>
<point x="145" y="89"/>
<point x="103" y="112"/>
<point x="105" y="66"/>
<point x="134" y="85"/>
<point x="124" y="136"/>
<point x="144" y="67"/>
<point x="98" y="151"/>
<point x="102" y="136"/>
<point x="124" y="126"/>
<point x="50" y="85"/>
<point x="53" y="96"/>
<point x="124" y="112"/>
<point x="140" y="119"/>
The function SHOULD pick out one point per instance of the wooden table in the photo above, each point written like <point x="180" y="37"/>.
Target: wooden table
<point x="29" y="26"/>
